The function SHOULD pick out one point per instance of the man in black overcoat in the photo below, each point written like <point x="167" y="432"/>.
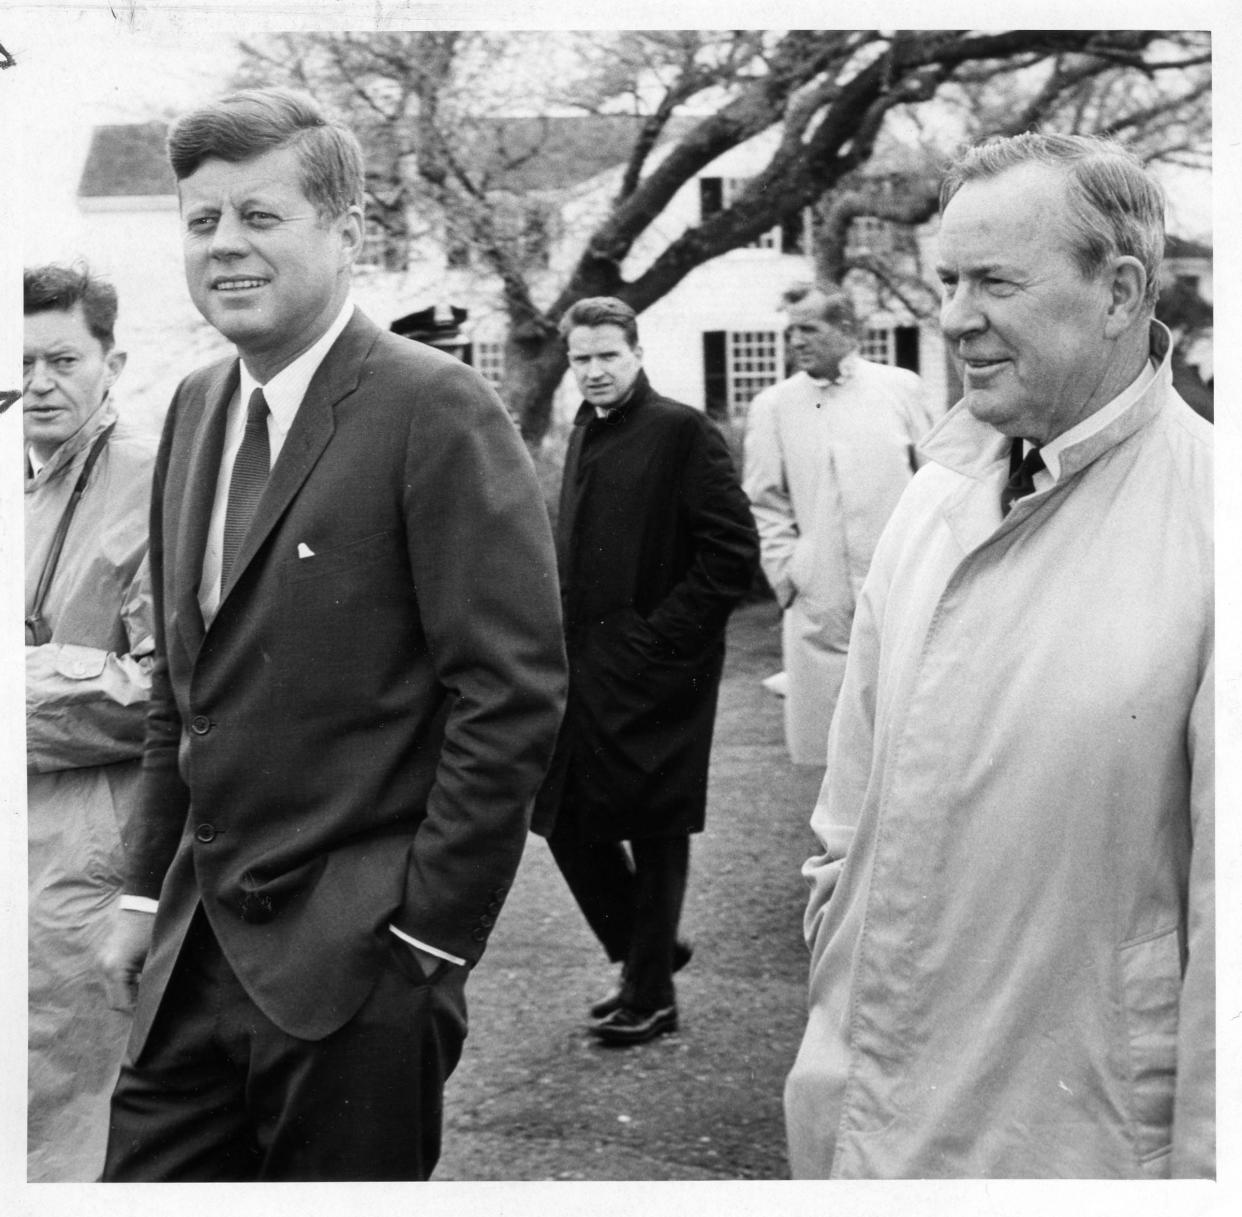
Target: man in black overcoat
<point x="655" y="545"/>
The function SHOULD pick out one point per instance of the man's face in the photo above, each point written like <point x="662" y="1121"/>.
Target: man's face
<point x="261" y="265"/>
<point x="603" y="363"/>
<point x="1027" y="329"/>
<point x="66" y="373"/>
<point x="818" y="346"/>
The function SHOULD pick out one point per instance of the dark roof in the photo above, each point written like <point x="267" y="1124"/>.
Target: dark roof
<point x="1180" y="247"/>
<point x="127" y="159"/>
<point x="521" y="154"/>
<point x="552" y="153"/>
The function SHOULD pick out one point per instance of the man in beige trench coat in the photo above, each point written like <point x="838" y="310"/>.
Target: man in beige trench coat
<point x="88" y="675"/>
<point x="1012" y="922"/>
<point x="828" y="453"/>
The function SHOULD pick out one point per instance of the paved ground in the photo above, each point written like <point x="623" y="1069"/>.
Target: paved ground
<point x="536" y="1098"/>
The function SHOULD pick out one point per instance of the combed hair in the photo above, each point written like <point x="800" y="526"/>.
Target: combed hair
<point x="55" y="287"/>
<point x="601" y="310"/>
<point x="838" y="308"/>
<point x="1116" y="208"/>
<point x="254" y="121"/>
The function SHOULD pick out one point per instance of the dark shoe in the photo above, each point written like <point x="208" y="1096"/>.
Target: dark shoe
<point x="683" y="952"/>
<point x="626" y="1026"/>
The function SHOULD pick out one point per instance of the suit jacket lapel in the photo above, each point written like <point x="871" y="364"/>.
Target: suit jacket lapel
<point x="337" y="377"/>
<point x="200" y="495"/>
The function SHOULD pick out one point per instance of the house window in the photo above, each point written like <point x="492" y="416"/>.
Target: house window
<point x="489" y="361"/>
<point x="897" y="345"/>
<point x="720" y="193"/>
<point x="880" y="346"/>
<point x="737" y="364"/>
<point x="869" y="236"/>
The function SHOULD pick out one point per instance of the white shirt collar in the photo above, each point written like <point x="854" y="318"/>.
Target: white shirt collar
<point x="1093" y="423"/>
<point x="845" y="372"/>
<point x="285" y="390"/>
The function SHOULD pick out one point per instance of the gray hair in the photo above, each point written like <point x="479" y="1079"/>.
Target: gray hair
<point x="837" y="309"/>
<point x="1115" y="207"/>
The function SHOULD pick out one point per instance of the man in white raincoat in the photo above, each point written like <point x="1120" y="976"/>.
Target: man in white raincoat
<point x="87" y="677"/>
<point x="828" y="453"/>
<point x="1011" y="923"/>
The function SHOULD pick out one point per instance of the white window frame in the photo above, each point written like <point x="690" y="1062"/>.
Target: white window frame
<point x="730" y="188"/>
<point x="489" y="360"/>
<point x="879" y="344"/>
<point x="754" y="360"/>
<point x="869" y="235"/>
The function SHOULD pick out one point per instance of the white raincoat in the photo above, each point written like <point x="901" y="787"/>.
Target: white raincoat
<point x="824" y="467"/>
<point x="85" y="699"/>
<point x="1011" y="923"/>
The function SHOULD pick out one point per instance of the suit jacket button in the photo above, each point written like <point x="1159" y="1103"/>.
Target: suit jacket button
<point x="200" y="724"/>
<point x="478" y="935"/>
<point x="204" y="833"/>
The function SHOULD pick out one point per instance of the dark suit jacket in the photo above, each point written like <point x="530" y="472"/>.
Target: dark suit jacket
<point x="356" y="737"/>
<point x="656" y="545"/>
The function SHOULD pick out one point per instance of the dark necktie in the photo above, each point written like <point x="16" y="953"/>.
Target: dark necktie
<point x="1022" y="471"/>
<point x="250" y="470"/>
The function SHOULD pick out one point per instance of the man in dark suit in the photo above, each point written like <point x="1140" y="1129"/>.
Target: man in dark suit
<point x="655" y="546"/>
<point x="359" y="675"/>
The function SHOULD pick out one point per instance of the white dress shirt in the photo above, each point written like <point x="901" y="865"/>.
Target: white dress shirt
<point x="1047" y="477"/>
<point x="283" y="393"/>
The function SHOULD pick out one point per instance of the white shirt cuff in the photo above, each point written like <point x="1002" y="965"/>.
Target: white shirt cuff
<point x="140" y="904"/>
<point x="422" y="946"/>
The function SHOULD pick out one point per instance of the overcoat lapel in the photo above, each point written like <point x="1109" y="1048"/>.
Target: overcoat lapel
<point x="200" y="493"/>
<point x="570" y="495"/>
<point x="337" y="377"/>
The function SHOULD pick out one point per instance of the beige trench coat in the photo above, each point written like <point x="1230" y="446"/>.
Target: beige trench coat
<point x="1011" y="923"/>
<point x="86" y="696"/>
<point x="824" y="468"/>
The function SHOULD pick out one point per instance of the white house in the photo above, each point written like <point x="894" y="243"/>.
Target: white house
<point x="714" y="341"/>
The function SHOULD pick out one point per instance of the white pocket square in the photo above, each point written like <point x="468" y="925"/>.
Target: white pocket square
<point x="304" y="550"/>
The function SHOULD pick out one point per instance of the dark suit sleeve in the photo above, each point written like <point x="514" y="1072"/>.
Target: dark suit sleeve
<point x="481" y="553"/>
<point x="724" y="544"/>
<point x="155" y="824"/>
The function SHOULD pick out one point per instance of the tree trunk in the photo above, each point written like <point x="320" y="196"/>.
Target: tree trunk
<point x="533" y="368"/>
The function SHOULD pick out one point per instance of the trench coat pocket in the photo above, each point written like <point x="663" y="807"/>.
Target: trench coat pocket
<point x="80" y="663"/>
<point x="630" y="648"/>
<point x="1151" y="974"/>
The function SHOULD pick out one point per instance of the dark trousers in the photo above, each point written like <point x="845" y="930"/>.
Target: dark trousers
<point x="632" y="902"/>
<point x="219" y="1092"/>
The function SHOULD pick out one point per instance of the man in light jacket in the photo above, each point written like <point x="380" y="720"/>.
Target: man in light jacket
<point x="828" y="453"/>
<point x="88" y="661"/>
<point x="1011" y="921"/>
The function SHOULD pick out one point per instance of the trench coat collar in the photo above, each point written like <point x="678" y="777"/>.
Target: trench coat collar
<point x="967" y="446"/>
<point x="67" y="454"/>
<point x="640" y="392"/>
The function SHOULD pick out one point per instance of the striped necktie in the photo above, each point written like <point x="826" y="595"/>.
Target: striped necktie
<point x="1022" y="471"/>
<point x="250" y="470"/>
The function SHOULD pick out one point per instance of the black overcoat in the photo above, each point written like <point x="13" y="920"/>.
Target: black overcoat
<point x="655" y="545"/>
